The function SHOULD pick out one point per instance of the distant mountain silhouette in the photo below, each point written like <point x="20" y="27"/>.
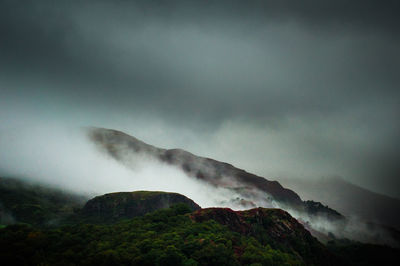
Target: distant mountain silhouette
<point x="349" y="199"/>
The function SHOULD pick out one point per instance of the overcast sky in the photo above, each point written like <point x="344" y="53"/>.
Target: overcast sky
<point x="280" y="88"/>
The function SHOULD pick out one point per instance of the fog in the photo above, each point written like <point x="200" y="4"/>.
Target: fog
<point x="66" y="158"/>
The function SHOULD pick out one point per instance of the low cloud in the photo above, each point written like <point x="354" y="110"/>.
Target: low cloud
<point x="65" y="158"/>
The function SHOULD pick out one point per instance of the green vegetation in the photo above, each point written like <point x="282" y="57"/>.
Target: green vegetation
<point x="271" y="227"/>
<point x="164" y="237"/>
<point x="49" y="227"/>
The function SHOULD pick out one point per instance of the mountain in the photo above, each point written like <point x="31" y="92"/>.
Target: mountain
<point x="124" y="205"/>
<point x="148" y="228"/>
<point x="274" y="227"/>
<point x="117" y="144"/>
<point x="165" y="237"/>
<point x="178" y="236"/>
<point x="251" y="187"/>
<point x="35" y="204"/>
<point x="349" y="199"/>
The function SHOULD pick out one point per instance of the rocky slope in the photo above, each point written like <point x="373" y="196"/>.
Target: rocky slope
<point x="274" y="227"/>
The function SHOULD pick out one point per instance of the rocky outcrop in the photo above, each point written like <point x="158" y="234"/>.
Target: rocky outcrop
<point x="317" y="208"/>
<point x="278" y="224"/>
<point x="274" y="227"/>
<point x="124" y="205"/>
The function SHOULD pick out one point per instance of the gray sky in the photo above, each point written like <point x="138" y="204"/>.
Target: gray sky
<point x="280" y="88"/>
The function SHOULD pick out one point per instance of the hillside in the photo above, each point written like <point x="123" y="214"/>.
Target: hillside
<point x="161" y="228"/>
<point x="175" y="236"/>
<point x="35" y="204"/>
<point x="274" y="227"/>
<point x="165" y="237"/>
<point x="252" y="188"/>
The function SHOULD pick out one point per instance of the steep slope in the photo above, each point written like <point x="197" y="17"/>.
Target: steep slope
<point x="251" y="187"/>
<point x="123" y="205"/>
<point x="349" y="199"/>
<point x="274" y="227"/>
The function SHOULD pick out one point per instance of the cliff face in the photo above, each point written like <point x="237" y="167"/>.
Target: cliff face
<point x="121" y="205"/>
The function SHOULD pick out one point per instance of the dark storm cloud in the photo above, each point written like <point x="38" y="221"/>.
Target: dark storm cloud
<point x="322" y="75"/>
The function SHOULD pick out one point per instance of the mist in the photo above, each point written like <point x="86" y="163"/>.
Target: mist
<point x="278" y="89"/>
<point x="65" y="158"/>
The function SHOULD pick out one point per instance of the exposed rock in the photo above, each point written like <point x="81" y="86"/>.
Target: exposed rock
<point x="122" y="205"/>
<point x="317" y="208"/>
<point x="274" y="227"/>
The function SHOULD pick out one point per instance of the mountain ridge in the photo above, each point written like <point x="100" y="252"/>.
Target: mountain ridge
<point x="220" y="174"/>
<point x="199" y="167"/>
